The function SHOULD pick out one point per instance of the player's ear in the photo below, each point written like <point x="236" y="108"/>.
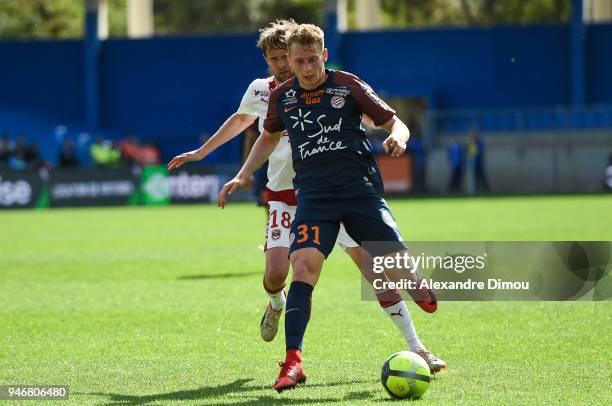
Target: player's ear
<point x="325" y="54"/>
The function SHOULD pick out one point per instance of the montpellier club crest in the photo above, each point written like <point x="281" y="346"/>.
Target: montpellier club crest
<point x="337" y="102"/>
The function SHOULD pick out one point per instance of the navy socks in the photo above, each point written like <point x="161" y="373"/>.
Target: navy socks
<point x="297" y="314"/>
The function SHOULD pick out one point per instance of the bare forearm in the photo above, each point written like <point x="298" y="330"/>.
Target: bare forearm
<point x="233" y="126"/>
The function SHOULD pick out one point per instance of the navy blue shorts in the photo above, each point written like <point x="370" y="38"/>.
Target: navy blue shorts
<point x="317" y="222"/>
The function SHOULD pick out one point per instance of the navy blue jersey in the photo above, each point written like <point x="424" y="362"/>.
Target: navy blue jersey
<point x="330" y="152"/>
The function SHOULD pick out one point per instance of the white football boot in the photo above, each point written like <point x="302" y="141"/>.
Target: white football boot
<point x="269" y="323"/>
<point x="435" y="363"/>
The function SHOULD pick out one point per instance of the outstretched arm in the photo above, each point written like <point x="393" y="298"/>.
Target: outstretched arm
<point x="233" y="126"/>
<point x="395" y="144"/>
<point x="264" y="146"/>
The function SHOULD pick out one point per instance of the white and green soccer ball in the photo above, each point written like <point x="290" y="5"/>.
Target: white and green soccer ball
<point x="405" y="375"/>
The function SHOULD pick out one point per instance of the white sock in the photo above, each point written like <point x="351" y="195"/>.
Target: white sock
<point x="401" y="317"/>
<point x="277" y="300"/>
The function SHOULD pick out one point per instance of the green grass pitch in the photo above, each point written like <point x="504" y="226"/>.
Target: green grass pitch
<point x="162" y="306"/>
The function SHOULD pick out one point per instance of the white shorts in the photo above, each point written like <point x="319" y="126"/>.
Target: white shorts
<point x="278" y="229"/>
<point x="280" y="216"/>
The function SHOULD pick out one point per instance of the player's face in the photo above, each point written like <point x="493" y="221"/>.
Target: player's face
<point x="308" y="64"/>
<point x="277" y="61"/>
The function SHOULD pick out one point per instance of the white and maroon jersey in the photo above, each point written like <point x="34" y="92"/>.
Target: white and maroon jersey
<point x="280" y="167"/>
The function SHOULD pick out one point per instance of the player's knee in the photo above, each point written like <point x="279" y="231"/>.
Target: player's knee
<point x="306" y="264"/>
<point x="276" y="274"/>
<point x="277" y="266"/>
<point x="300" y="267"/>
<point x="303" y="267"/>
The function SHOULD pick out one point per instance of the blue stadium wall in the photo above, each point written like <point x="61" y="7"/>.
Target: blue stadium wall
<point x="174" y="89"/>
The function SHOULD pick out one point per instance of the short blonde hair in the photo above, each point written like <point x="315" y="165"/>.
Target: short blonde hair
<point x="274" y="36"/>
<point x="305" y="34"/>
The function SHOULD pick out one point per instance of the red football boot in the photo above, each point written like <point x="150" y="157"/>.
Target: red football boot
<point x="425" y="298"/>
<point x="292" y="372"/>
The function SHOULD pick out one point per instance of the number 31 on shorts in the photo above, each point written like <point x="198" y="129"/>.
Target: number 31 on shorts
<point x="304" y="231"/>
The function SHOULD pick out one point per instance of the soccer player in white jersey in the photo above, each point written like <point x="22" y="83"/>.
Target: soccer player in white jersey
<point x="282" y="202"/>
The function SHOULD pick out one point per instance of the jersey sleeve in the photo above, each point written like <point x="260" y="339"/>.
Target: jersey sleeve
<point x="247" y="104"/>
<point x="273" y="123"/>
<point x="370" y="103"/>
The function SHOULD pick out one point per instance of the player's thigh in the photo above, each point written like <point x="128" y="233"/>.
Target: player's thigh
<point x="316" y="225"/>
<point x="360" y="257"/>
<point x="364" y="262"/>
<point x="280" y="216"/>
<point x="370" y="220"/>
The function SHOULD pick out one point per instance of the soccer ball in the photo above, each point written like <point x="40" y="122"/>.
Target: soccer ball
<point x="405" y="375"/>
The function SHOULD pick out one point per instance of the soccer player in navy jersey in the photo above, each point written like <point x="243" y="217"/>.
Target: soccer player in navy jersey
<point x="281" y="199"/>
<point x="337" y="179"/>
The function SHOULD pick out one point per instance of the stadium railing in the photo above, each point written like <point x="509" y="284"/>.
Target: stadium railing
<point x="557" y="118"/>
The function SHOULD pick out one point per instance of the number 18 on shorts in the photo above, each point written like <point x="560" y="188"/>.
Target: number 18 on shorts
<point x="280" y="217"/>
